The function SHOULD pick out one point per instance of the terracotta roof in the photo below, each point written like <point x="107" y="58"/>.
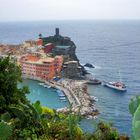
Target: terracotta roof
<point x="32" y="58"/>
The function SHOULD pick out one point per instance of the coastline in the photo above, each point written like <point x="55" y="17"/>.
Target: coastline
<point x="77" y="95"/>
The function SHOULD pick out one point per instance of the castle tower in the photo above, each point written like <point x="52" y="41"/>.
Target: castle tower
<point x="57" y="31"/>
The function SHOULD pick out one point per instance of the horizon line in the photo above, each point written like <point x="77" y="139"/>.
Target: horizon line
<point x="48" y="20"/>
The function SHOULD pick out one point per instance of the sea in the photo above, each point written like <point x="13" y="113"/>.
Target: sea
<point x="113" y="47"/>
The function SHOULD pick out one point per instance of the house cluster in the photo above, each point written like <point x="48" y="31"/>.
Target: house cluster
<point x="45" y="58"/>
<point x="37" y="67"/>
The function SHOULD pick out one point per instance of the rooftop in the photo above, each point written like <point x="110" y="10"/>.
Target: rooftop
<point x="32" y="59"/>
<point x="63" y="47"/>
<point x="71" y="62"/>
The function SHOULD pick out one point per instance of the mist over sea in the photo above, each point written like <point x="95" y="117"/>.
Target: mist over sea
<point x="111" y="46"/>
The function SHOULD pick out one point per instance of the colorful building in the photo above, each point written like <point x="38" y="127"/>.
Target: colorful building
<point x="48" y="47"/>
<point x="39" y="42"/>
<point x="43" y="68"/>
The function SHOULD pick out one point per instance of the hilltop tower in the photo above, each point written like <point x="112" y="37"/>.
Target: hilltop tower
<point x="57" y="31"/>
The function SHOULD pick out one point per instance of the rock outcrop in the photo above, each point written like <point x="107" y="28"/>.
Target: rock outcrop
<point x="63" y="46"/>
<point x="89" y="65"/>
<point x="59" y="40"/>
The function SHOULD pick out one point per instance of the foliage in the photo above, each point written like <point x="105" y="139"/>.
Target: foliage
<point x="133" y="105"/>
<point x="46" y="110"/>
<point x="10" y="75"/>
<point x="6" y="130"/>
<point x="19" y="119"/>
<point x="6" y="117"/>
<point x="104" y="131"/>
<point x="134" y="108"/>
<point x="38" y="107"/>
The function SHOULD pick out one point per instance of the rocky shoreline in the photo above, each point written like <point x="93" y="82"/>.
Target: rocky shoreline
<point x="84" y="104"/>
<point x="77" y="95"/>
<point x="75" y="90"/>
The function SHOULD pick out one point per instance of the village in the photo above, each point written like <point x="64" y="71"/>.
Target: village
<point x="49" y="59"/>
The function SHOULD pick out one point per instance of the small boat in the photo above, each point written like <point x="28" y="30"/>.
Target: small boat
<point x="45" y="86"/>
<point x="62" y="98"/>
<point x="49" y="86"/>
<point x="61" y="95"/>
<point x="94" y="98"/>
<point x="115" y="85"/>
<point x="94" y="82"/>
<point x="41" y="84"/>
<point x="59" y="91"/>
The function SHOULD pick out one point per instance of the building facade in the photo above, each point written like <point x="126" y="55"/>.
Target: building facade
<point x="43" y="68"/>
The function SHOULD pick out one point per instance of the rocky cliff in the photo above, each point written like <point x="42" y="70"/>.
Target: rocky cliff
<point x="59" y="40"/>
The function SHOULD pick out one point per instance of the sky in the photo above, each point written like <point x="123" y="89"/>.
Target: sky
<point x="30" y="10"/>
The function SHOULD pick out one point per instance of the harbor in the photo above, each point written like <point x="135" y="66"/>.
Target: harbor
<point x="112" y="104"/>
<point x="77" y="95"/>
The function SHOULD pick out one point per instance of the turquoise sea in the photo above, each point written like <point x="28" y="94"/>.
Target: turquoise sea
<point x="47" y="96"/>
<point x="111" y="46"/>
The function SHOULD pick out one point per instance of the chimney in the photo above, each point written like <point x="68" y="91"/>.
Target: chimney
<point x="57" y="31"/>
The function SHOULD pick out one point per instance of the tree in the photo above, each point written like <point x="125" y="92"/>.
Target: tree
<point x="10" y="94"/>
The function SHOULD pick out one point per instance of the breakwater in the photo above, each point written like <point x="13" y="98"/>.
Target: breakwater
<point x="76" y="92"/>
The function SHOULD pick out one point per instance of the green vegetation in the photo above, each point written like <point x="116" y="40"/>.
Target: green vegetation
<point x="21" y="120"/>
<point x="134" y="108"/>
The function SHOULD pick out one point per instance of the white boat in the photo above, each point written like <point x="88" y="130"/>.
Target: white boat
<point x="41" y="84"/>
<point x="45" y="86"/>
<point x="61" y="95"/>
<point x="119" y="85"/>
<point x="94" y="98"/>
<point x="59" y="91"/>
<point x="49" y="86"/>
<point x="116" y="85"/>
<point x="62" y="98"/>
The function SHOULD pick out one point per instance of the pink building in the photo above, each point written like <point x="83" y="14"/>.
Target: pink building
<point x="44" y="68"/>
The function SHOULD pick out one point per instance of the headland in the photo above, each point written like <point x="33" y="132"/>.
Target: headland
<point x="53" y="60"/>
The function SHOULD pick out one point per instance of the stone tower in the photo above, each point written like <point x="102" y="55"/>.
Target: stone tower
<point x="57" y="31"/>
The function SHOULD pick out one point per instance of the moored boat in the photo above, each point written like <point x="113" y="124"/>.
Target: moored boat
<point x="45" y="86"/>
<point x="49" y="86"/>
<point x="94" y="98"/>
<point x="41" y="84"/>
<point x="60" y="93"/>
<point x="62" y="98"/>
<point x="115" y="85"/>
<point x="94" y="82"/>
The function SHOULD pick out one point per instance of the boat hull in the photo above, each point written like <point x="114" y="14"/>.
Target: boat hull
<point x="114" y="87"/>
<point x="94" y="82"/>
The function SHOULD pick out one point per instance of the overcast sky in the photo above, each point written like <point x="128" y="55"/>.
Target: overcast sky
<point x="24" y="10"/>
